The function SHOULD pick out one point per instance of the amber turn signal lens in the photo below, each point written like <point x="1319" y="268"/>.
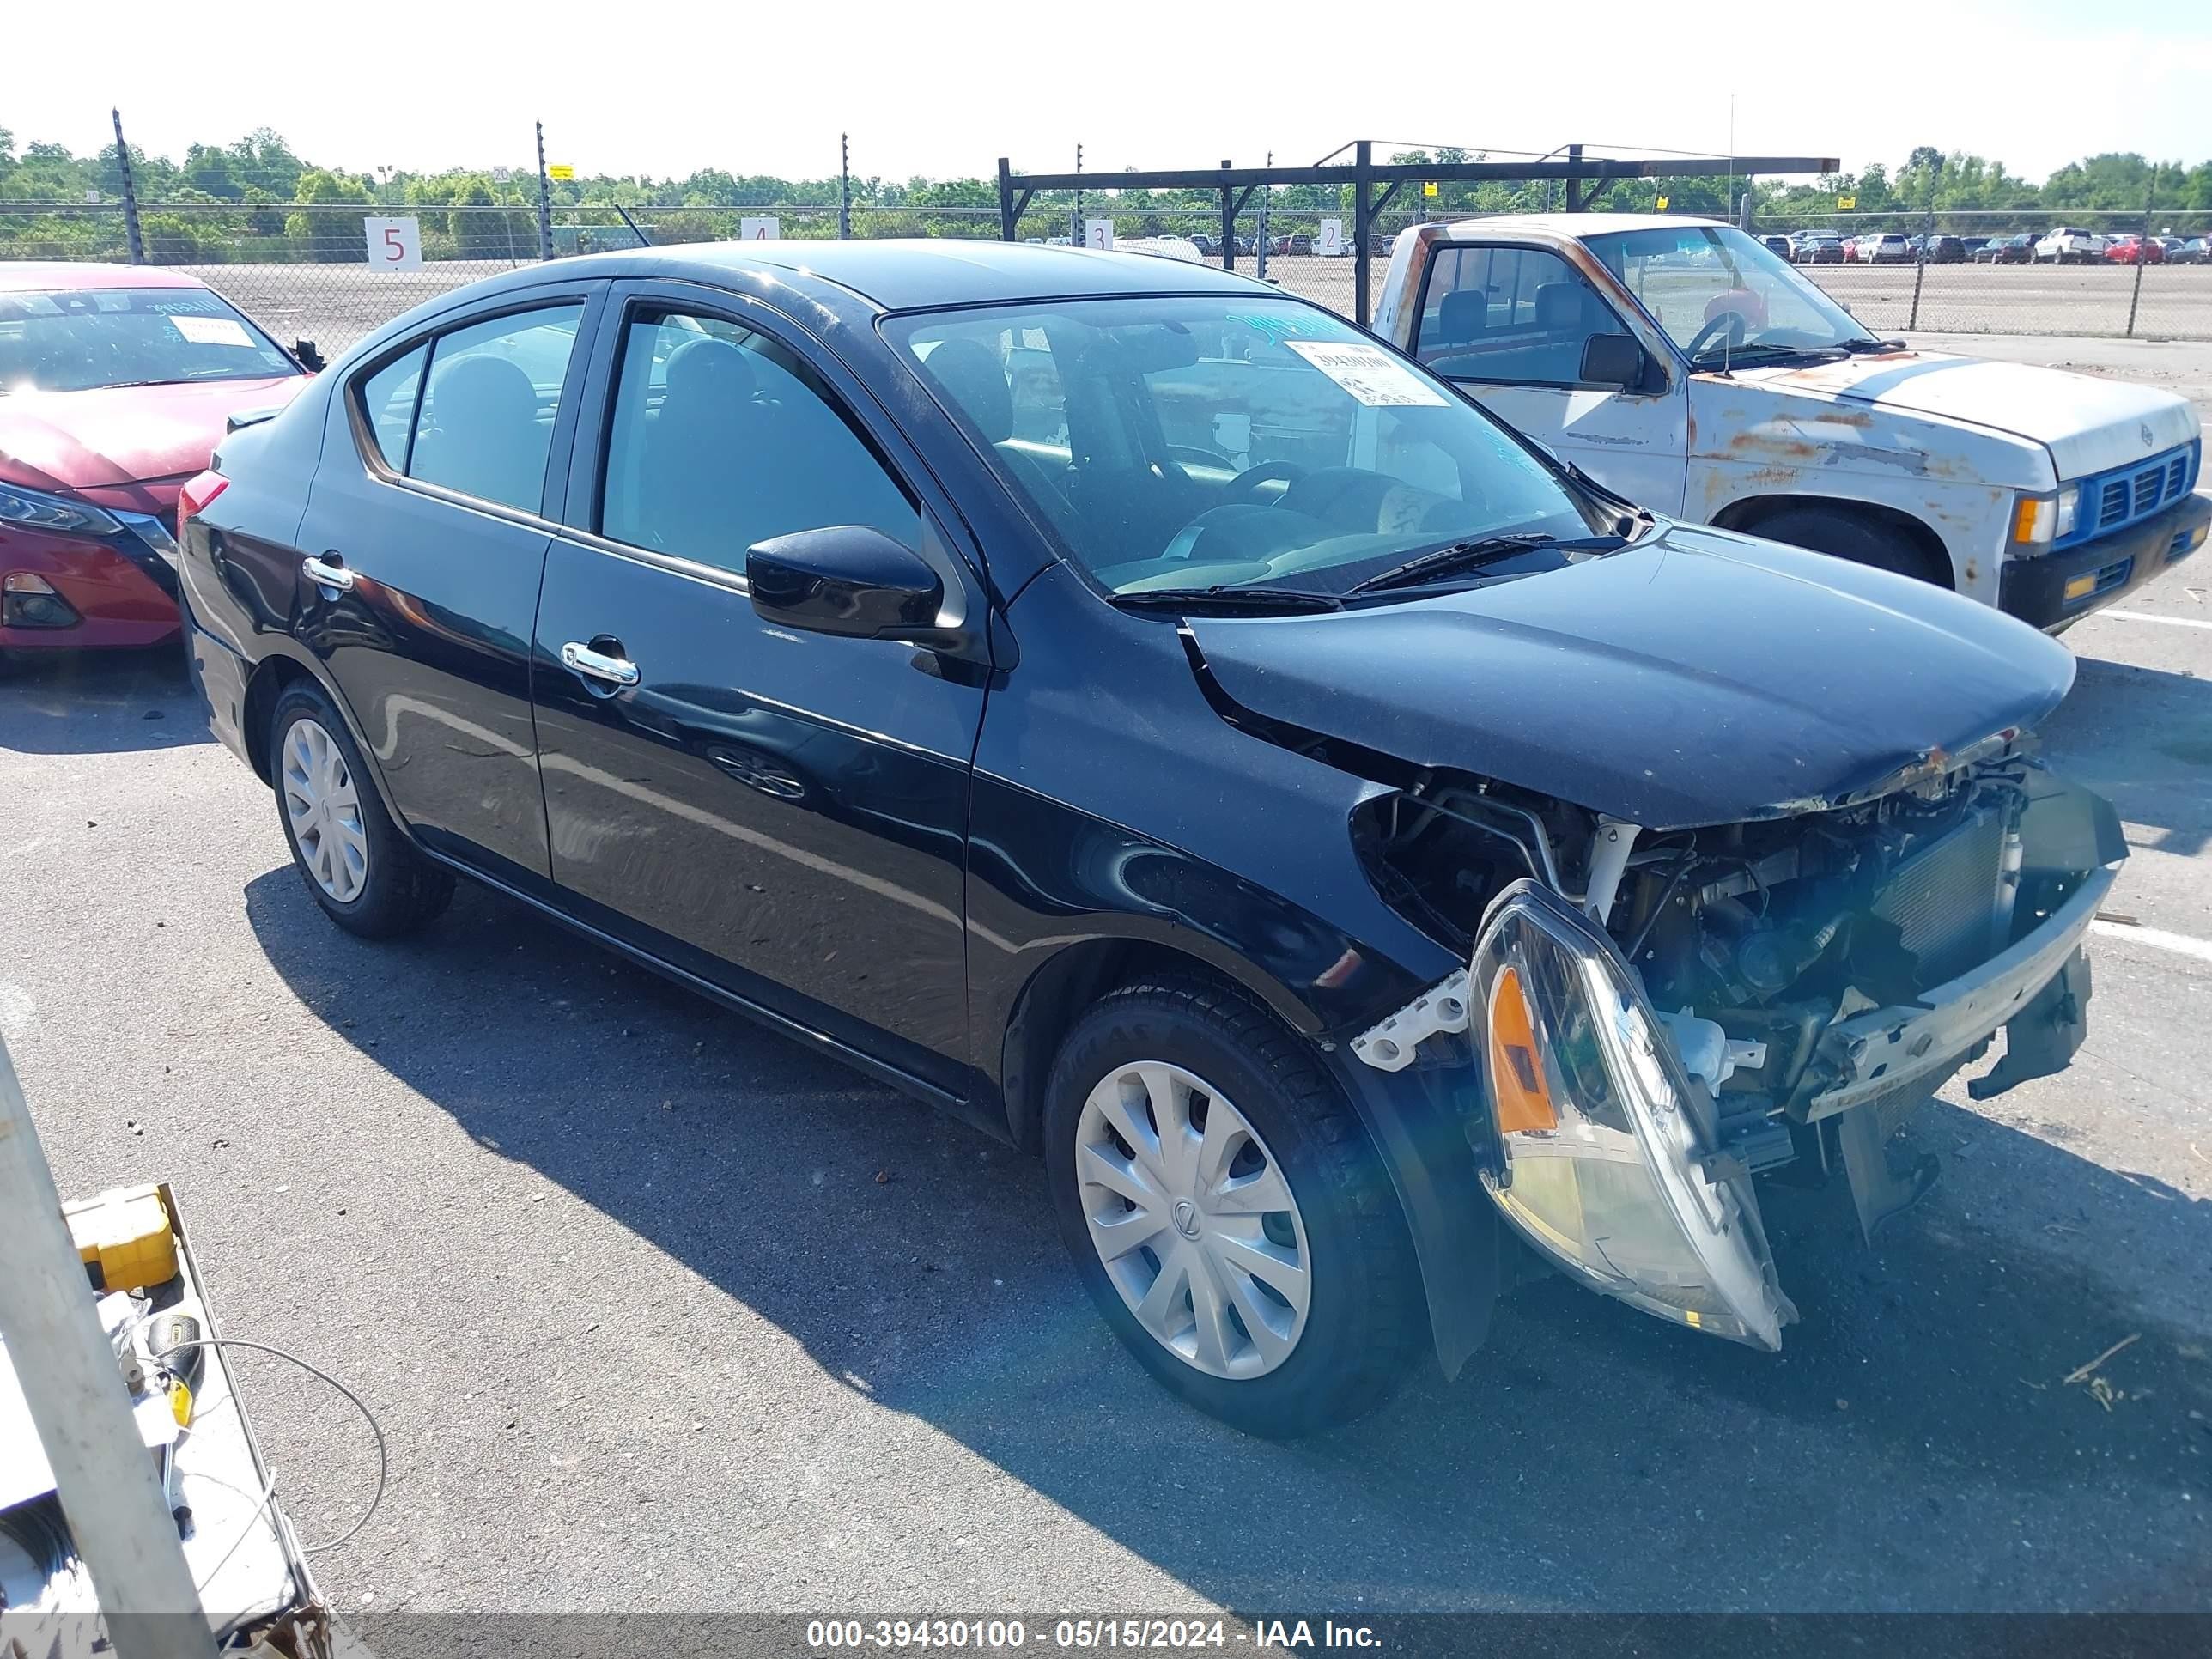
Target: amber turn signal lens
<point x="1522" y="1097"/>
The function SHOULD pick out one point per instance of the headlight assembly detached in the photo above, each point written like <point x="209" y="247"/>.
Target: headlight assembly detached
<point x="1601" y="1134"/>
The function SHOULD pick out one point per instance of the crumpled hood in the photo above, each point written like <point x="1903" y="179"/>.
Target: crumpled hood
<point x="1697" y="677"/>
<point x="107" y="437"/>
<point x="2089" y="425"/>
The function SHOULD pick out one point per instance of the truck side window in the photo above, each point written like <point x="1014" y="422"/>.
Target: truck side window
<point x="1509" y="316"/>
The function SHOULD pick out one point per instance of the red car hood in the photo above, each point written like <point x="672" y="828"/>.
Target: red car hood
<point x="105" y="439"/>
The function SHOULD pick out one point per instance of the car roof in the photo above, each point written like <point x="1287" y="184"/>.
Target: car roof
<point x="20" y="276"/>
<point x="921" y="272"/>
<point x="1576" y="226"/>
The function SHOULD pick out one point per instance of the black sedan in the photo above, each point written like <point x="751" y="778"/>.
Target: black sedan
<point x="2018" y="250"/>
<point x="1148" y="717"/>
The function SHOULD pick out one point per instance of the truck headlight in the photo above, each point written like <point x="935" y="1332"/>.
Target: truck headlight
<point x="1603" y="1142"/>
<point x="2039" y="520"/>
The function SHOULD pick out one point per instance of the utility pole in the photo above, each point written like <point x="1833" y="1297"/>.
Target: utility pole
<point x="844" y="187"/>
<point x="130" y="194"/>
<point x="544" y="200"/>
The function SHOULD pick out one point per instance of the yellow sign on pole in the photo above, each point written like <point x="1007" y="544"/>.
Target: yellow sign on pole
<point x="1662" y="205"/>
<point x="1845" y="203"/>
<point x="1430" y="188"/>
<point x="560" y="170"/>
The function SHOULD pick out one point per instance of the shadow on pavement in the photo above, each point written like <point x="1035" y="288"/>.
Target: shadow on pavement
<point x="1915" y="1445"/>
<point x="99" y="702"/>
<point x="2142" y="738"/>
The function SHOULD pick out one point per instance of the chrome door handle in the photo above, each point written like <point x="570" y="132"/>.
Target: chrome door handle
<point x="616" y="670"/>
<point x="321" y="571"/>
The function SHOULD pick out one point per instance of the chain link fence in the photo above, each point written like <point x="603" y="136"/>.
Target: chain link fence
<point x="304" y="270"/>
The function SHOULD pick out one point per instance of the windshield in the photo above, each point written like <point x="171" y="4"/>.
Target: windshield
<point x="1715" y="290"/>
<point x="74" y="339"/>
<point x="1232" y="442"/>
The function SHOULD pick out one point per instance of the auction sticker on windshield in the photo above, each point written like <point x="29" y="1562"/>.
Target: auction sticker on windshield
<point x="1366" y="373"/>
<point x="211" y="331"/>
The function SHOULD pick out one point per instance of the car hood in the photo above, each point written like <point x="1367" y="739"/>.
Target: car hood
<point x="113" y="437"/>
<point x="1697" y="678"/>
<point x="2089" y="425"/>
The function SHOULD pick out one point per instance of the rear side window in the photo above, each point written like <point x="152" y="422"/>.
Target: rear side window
<point x="723" y="437"/>
<point x="485" y="424"/>
<point x="387" y="398"/>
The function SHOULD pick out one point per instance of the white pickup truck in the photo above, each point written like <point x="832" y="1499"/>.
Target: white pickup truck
<point x="1682" y="364"/>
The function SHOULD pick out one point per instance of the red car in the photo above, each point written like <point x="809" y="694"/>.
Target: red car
<point x="2133" y="251"/>
<point x="115" y="383"/>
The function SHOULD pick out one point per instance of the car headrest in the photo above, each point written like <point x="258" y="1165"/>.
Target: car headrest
<point x="1560" y="306"/>
<point x="1463" y="314"/>
<point x="484" y="392"/>
<point x="970" y="371"/>
<point x="709" y="376"/>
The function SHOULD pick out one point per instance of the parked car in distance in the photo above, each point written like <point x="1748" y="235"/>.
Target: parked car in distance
<point x="2190" y="252"/>
<point x="1888" y="247"/>
<point x="2068" y="246"/>
<point x="1205" y="243"/>
<point x="1818" y="247"/>
<point x="1777" y="246"/>
<point x="2017" y="250"/>
<point x="1850" y="250"/>
<point x="115" y="383"/>
<point x="1612" y="337"/>
<point x="793" y="674"/>
<point x="2133" y="250"/>
<point x="1942" y="250"/>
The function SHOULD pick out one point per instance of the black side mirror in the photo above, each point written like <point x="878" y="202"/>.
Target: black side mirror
<point x="1613" y="360"/>
<point x="847" y="580"/>
<point x="310" y="356"/>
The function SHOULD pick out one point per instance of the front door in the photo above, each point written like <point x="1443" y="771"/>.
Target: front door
<point x="425" y="534"/>
<point x="783" y="813"/>
<point x="1508" y="322"/>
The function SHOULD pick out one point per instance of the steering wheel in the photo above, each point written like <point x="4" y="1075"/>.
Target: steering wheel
<point x="1730" y="323"/>
<point x="1196" y="455"/>
<point x="1245" y="485"/>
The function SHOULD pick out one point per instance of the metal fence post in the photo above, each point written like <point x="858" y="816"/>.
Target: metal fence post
<point x="1007" y="226"/>
<point x="1574" y="183"/>
<point x="1078" y="234"/>
<point x="544" y="200"/>
<point x="1260" y="237"/>
<point x="1920" y="270"/>
<point x="2150" y="202"/>
<point x="1363" y="227"/>
<point x="844" y="186"/>
<point x="130" y="194"/>
<point x="1227" y="221"/>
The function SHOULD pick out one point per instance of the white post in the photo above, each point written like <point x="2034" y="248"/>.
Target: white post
<point x="105" y="1474"/>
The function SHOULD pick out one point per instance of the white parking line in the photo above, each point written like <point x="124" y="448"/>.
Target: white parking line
<point x="2145" y="616"/>
<point x="2157" y="938"/>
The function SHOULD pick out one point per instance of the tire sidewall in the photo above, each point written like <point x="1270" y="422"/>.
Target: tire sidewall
<point x="309" y="703"/>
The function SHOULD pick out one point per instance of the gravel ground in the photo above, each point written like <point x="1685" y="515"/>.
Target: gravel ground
<point x="657" y="1311"/>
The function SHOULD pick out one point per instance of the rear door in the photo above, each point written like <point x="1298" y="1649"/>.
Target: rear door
<point x="422" y="547"/>
<point x="1508" y="321"/>
<point x="782" y="814"/>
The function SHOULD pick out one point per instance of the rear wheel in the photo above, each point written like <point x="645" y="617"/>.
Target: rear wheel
<point x="358" y="866"/>
<point x="1227" y="1211"/>
<point x="1851" y="536"/>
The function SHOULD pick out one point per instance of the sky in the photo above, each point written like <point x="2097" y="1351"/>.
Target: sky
<point x="944" y="90"/>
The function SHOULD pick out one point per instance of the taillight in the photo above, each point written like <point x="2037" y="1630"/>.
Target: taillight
<point x="194" y="497"/>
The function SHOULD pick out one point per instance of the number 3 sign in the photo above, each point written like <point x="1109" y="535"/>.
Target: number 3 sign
<point x="394" y="244"/>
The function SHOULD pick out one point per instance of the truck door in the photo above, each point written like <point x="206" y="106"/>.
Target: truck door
<point x="1509" y="322"/>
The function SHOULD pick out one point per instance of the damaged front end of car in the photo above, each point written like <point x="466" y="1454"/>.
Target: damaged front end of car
<point x="1655" y="1018"/>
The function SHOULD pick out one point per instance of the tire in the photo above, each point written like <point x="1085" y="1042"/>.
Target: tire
<point x="1363" y="1320"/>
<point x="374" y="882"/>
<point x="1847" y="535"/>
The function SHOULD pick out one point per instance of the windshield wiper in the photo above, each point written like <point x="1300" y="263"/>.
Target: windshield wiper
<point x="1867" y="342"/>
<point x="1222" y="596"/>
<point x="1767" y="351"/>
<point x="1470" y="556"/>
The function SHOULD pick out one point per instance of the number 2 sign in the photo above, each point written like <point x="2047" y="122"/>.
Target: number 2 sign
<point x="394" y="244"/>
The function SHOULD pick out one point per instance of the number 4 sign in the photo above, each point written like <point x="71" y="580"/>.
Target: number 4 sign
<point x="394" y="244"/>
<point x="759" y="228"/>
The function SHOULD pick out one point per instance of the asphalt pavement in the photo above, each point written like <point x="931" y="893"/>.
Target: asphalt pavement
<point x="657" y="1310"/>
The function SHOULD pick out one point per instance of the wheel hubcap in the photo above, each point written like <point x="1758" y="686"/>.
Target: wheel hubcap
<point x="324" y="810"/>
<point x="1193" y="1220"/>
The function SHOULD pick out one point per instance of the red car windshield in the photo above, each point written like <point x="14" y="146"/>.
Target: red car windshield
<point x="75" y="339"/>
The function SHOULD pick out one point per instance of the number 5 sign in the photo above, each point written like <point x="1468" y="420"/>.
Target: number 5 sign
<point x="394" y="244"/>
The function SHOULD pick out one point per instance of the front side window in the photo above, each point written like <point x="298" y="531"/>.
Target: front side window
<point x="1222" y="440"/>
<point x="1510" y="315"/>
<point x="723" y="437"/>
<point x="1721" y="296"/>
<point x="76" y="339"/>
<point x="485" y="424"/>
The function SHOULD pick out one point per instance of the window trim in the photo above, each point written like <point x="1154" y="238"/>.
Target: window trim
<point x="1421" y="306"/>
<point x="371" y="454"/>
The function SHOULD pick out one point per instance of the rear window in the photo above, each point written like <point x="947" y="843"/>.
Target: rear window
<point x="76" y="339"/>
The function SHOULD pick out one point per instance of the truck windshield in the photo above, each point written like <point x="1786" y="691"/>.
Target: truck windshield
<point x="1716" y="291"/>
<point x="1243" y="443"/>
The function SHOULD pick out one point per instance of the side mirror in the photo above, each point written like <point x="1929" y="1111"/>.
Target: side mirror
<point x="310" y="356"/>
<point x="847" y="580"/>
<point x="1613" y="360"/>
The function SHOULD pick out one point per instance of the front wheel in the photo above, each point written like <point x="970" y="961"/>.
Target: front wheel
<point x="1227" y="1210"/>
<point x="1846" y="535"/>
